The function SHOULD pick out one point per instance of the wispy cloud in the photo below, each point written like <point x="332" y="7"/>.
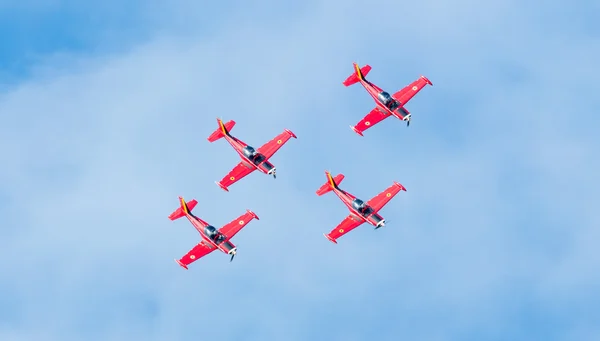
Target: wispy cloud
<point x="493" y="239"/>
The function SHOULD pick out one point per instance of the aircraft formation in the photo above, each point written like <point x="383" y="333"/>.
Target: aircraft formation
<point x="252" y="159"/>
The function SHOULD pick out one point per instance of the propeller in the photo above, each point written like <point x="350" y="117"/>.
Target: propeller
<point x="408" y="122"/>
<point x="232" y="255"/>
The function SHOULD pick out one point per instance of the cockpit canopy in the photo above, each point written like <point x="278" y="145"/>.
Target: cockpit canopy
<point x="358" y="204"/>
<point x="249" y="152"/>
<point x="384" y="97"/>
<point x="253" y="155"/>
<point x="361" y="207"/>
<point x="212" y="233"/>
<point x="388" y="101"/>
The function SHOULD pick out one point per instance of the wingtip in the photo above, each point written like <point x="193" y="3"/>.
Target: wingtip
<point x="181" y="264"/>
<point x="427" y="80"/>
<point x="291" y="133"/>
<point x="329" y="238"/>
<point x="400" y="185"/>
<point x="253" y="214"/>
<point x="356" y="130"/>
<point x="222" y="187"/>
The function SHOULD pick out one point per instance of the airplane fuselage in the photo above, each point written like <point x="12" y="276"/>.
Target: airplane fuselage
<point x="400" y="112"/>
<point x="258" y="161"/>
<point x="370" y="217"/>
<point x="205" y="228"/>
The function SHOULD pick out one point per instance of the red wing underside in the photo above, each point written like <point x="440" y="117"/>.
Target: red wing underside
<point x="384" y="197"/>
<point x="199" y="251"/>
<point x="237" y="173"/>
<point x="271" y="147"/>
<point x="236" y="225"/>
<point x="372" y="118"/>
<point x="348" y="224"/>
<point x="409" y="91"/>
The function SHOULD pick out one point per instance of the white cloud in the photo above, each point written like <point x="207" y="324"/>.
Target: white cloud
<point x="98" y="156"/>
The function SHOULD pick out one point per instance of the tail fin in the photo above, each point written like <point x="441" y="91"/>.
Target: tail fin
<point x="358" y="75"/>
<point x="185" y="208"/>
<point x="222" y="130"/>
<point x="330" y="184"/>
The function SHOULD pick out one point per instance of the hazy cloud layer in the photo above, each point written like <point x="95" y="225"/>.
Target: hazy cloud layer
<point x="495" y="238"/>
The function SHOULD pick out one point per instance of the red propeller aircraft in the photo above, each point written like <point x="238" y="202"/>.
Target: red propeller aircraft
<point x="212" y="239"/>
<point x="386" y="105"/>
<point x="360" y="212"/>
<point x="251" y="159"/>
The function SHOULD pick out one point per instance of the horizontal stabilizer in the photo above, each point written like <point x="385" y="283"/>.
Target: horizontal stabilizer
<point x="358" y="75"/>
<point x="332" y="182"/>
<point x="183" y="209"/>
<point x="224" y="129"/>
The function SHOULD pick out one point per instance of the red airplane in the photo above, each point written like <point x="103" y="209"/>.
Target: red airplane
<point x="386" y="105"/>
<point x="360" y="211"/>
<point x="212" y="239"/>
<point x="251" y="159"/>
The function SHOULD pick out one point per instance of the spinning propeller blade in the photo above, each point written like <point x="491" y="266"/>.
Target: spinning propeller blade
<point x="234" y="251"/>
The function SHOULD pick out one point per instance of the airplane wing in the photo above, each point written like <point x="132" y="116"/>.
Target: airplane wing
<point x="384" y="197"/>
<point x="409" y="91"/>
<point x="199" y="251"/>
<point x="237" y="224"/>
<point x="348" y="224"/>
<point x="237" y="173"/>
<point x="372" y="118"/>
<point x="271" y="147"/>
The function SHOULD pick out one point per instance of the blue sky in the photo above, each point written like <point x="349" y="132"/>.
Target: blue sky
<point x="104" y="114"/>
